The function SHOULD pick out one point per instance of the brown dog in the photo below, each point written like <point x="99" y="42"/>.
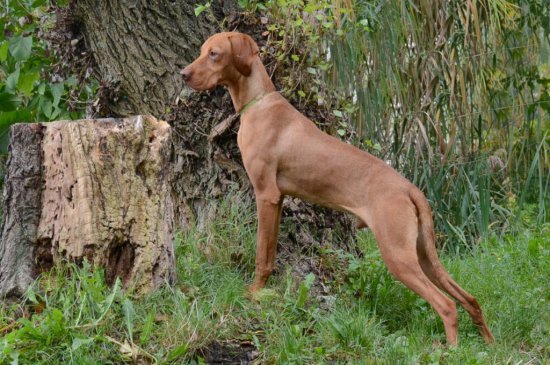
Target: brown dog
<point x="284" y="153"/>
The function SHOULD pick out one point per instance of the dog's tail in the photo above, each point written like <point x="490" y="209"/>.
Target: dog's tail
<point x="434" y="270"/>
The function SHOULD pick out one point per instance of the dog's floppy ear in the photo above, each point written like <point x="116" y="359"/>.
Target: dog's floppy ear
<point x="244" y="50"/>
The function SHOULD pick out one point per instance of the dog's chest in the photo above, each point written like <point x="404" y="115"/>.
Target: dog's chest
<point x="255" y="137"/>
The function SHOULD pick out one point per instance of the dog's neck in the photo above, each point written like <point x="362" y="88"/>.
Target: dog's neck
<point x="247" y="88"/>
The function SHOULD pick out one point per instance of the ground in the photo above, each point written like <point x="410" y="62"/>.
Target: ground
<point x="360" y="315"/>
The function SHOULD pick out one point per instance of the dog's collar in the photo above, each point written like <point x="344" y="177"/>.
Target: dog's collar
<point x="252" y="102"/>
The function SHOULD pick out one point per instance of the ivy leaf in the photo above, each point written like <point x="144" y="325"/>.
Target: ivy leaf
<point x="20" y="48"/>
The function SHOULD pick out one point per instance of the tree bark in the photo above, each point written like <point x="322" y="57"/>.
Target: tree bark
<point x="22" y="204"/>
<point x="139" y="47"/>
<point x="92" y="189"/>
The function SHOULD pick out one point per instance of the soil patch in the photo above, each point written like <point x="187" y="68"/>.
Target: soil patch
<point x="229" y="353"/>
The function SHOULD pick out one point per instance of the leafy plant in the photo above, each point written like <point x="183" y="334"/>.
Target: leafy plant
<point x="30" y="90"/>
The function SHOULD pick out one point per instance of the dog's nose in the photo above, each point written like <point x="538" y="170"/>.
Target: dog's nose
<point x="185" y="74"/>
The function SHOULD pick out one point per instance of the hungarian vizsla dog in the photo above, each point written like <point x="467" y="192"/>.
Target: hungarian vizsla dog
<point x="284" y="153"/>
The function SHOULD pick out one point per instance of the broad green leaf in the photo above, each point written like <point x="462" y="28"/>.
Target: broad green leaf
<point x="12" y="80"/>
<point x="312" y="71"/>
<point x="20" y="47"/>
<point x="8" y="102"/>
<point x="26" y="82"/>
<point x="41" y="88"/>
<point x="2" y="26"/>
<point x="9" y="118"/>
<point x="71" y="81"/>
<point x="4" y="51"/>
<point x="38" y="3"/>
<point x="46" y="107"/>
<point x="310" y="8"/>
<point x="57" y="91"/>
<point x="55" y="113"/>
<point x="16" y="116"/>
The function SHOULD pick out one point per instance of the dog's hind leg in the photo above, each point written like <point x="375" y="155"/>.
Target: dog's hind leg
<point x="432" y="267"/>
<point x="396" y="235"/>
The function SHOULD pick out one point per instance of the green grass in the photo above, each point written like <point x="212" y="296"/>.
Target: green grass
<point x="73" y="318"/>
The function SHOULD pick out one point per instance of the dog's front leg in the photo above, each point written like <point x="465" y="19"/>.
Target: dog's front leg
<point x="269" y="216"/>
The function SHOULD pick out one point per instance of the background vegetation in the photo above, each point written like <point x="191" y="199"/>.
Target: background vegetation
<point x="33" y="86"/>
<point x="454" y="94"/>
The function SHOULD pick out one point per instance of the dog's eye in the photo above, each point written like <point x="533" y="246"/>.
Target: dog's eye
<point x="213" y="54"/>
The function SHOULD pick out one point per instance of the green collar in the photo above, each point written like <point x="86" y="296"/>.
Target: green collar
<point x="252" y="102"/>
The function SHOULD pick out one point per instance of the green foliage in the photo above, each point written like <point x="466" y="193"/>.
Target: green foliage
<point x="295" y="30"/>
<point x="30" y="89"/>
<point x="453" y="94"/>
<point x="73" y="317"/>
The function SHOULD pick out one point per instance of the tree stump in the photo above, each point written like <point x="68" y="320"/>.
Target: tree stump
<point x="90" y="189"/>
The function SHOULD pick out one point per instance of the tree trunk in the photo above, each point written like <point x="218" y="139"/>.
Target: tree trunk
<point x="139" y="47"/>
<point x="92" y="189"/>
<point x="22" y="204"/>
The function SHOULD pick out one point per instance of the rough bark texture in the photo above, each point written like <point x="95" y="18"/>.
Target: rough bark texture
<point x="140" y="46"/>
<point x="95" y="190"/>
<point x="22" y="204"/>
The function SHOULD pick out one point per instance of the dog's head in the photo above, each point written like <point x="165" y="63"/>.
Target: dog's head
<point x="224" y="58"/>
